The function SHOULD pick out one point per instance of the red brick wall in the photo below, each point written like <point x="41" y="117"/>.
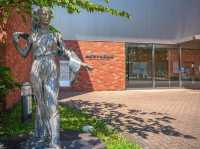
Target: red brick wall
<point x="190" y="57"/>
<point x="20" y="67"/>
<point x="107" y="74"/>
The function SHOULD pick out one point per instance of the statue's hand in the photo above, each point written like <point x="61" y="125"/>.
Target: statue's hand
<point x="16" y="36"/>
<point x="86" y="66"/>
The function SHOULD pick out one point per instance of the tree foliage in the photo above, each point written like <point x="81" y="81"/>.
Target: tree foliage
<point x="72" y="6"/>
<point x="6" y="81"/>
<point x="24" y="7"/>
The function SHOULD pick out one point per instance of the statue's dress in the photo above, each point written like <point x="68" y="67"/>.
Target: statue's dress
<point x="45" y="83"/>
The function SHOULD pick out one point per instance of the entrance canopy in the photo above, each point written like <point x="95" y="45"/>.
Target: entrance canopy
<point x="153" y="21"/>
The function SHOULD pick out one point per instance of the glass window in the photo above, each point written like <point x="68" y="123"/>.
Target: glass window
<point x="174" y="67"/>
<point x="162" y="67"/>
<point x="139" y="67"/>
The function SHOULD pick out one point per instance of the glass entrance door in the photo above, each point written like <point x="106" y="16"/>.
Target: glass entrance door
<point x="167" y="67"/>
<point x="162" y="67"/>
<point x="152" y="66"/>
<point x="139" y="67"/>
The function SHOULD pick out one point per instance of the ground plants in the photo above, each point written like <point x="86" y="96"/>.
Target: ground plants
<point x="7" y="82"/>
<point x="71" y="119"/>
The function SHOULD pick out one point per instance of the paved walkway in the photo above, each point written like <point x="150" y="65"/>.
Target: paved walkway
<point x="156" y="119"/>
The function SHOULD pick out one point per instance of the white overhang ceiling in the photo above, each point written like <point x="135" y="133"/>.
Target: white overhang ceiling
<point x="154" y="21"/>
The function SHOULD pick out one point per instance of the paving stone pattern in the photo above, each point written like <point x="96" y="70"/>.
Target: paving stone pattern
<point x="156" y="119"/>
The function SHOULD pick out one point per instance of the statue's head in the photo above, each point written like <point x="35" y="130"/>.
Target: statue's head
<point x="44" y="15"/>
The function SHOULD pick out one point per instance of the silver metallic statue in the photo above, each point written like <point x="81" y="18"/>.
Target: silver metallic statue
<point x="45" y="46"/>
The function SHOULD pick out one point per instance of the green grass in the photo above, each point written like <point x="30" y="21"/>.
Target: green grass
<point x="71" y="119"/>
<point x="10" y="123"/>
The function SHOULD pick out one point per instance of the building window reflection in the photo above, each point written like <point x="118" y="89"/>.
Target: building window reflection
<point x="139" y="67"/>
<point x="164" y="67"/>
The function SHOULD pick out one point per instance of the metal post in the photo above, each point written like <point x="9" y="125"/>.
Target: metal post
<point x="169" y="67"/>
<point x="180" y="70"/>
<point x="127" y="66"/>
<point x="128" y="61"/>
<point x="153" y="66"/>
<point x="26" y="94"/>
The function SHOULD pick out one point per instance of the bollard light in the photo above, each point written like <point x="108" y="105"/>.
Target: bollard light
<point x="26" y="98"/>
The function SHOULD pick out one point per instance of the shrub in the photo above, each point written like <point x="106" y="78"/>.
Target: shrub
<point x="7" y="82"/>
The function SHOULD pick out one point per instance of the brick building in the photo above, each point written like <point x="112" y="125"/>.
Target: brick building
<point x="123" y="57"/>
<point x="119" y="65"/>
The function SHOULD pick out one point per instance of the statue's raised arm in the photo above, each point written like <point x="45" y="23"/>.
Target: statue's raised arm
<point x="74" y="62"/>
<point x="23" y="51"/>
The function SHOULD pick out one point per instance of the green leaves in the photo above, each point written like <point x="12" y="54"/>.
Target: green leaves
<point x="11" y="125"/>
<point x="24" y="7"/>
<point x="72" y="6"/>
<point x="53" y="29"/>
<point x="6" y="81"/>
